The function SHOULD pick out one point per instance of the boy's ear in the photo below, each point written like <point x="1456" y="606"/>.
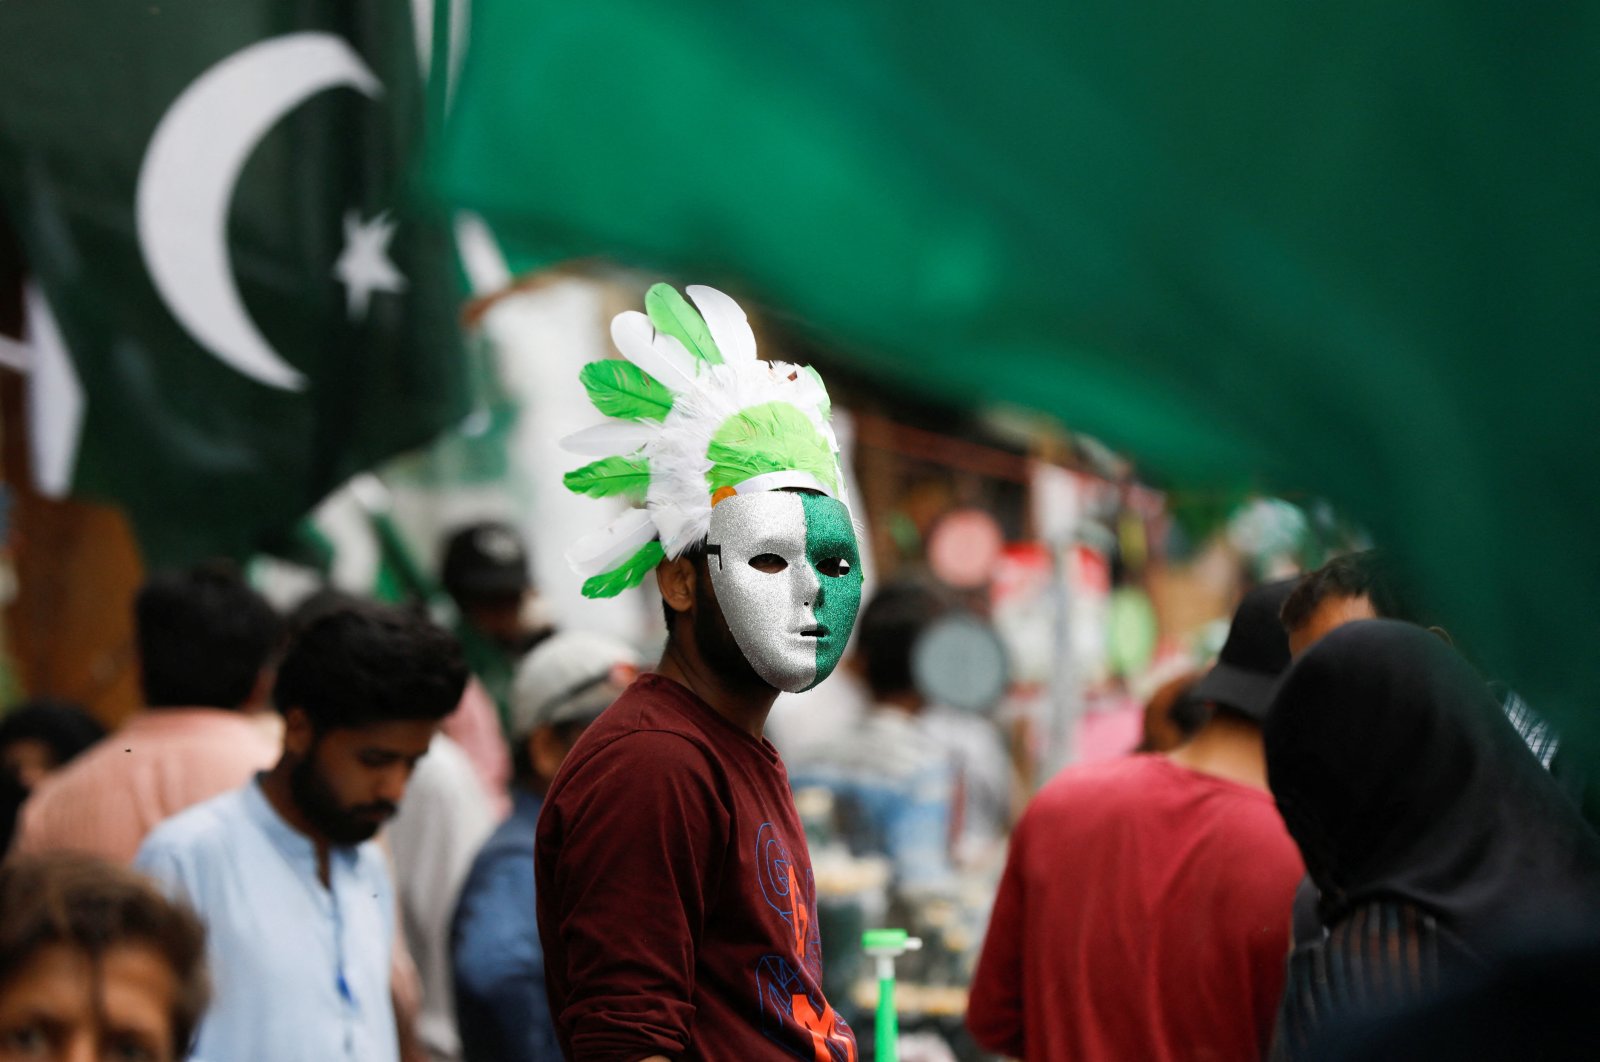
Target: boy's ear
<point x="676" y="581"/>
<point x="298" y="733"/>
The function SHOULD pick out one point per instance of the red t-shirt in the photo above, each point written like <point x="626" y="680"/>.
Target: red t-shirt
<point x="1143" y="913"/>
<point x="676" y="902"/>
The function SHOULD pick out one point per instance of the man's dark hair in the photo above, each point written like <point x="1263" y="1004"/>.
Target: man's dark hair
<point x="360" y="664"/>
<point x="890" y="624"/>
<point x="91" y="905"/>
<point x="204" y="637"/>
<point x="1366" y="574"/>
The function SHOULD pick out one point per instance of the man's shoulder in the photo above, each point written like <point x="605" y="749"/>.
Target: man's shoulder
<point x="636" y="757"/>
<point x="511" y="841"/>
<point x="654" y="719"/>
<point x="1106" y="778"/>
<point x="151" y="741"/>
<point x="650" y="702"/>
<point x="209" y="824"/>
<point x="1090" y="796"/>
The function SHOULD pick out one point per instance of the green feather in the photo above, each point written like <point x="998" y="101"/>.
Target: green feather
<point x="774" y="437"/>
<point x="630" y="572"/>
<point x="673" y="316"/>
<point x="628" y="476"/>
<point x="623" y="390"/>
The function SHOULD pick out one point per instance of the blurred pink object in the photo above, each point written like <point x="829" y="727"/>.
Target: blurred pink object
<point x="475" y="726"/>
<point x="1110" y="728"/>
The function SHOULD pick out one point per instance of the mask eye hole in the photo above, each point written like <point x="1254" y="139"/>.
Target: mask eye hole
<point x="770" y="563"/>
<point x="834" y="567"/>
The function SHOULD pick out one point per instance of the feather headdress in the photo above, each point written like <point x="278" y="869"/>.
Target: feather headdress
<point x="694" y="417"/>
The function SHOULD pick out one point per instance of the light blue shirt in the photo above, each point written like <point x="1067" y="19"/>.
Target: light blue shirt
<point x="300" y="971"/>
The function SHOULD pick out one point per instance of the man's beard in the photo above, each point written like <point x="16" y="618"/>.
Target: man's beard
<point x="715" y="640"/>
<point x="318" y="803"/>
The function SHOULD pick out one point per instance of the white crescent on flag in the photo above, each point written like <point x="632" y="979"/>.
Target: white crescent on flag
<point x="187" y="179"/>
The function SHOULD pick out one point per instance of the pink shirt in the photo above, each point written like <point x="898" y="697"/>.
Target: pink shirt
<point x="159" y="763"/>
<point x="475" y="726"/>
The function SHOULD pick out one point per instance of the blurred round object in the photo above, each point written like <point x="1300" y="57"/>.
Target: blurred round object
<point x="964" y="547"/>
<point x="959" y="661"/>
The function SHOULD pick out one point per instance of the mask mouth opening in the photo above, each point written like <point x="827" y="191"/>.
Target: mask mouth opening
<point x="818" y="631"/>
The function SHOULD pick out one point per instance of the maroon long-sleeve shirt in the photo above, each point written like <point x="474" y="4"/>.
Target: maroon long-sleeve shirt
<point x="676" y="903"/>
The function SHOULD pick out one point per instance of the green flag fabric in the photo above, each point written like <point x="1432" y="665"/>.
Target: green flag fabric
<point x="232" y="310"/>
<point x="1346" y="249"/>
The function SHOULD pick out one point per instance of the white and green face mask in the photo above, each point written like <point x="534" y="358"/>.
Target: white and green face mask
<point x="787" y="574"/>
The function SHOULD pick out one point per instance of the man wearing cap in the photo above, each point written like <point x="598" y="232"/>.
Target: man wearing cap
<point x="1144" y="908"/>
<point x="501" y="1012"/>
<point x="485" y="572"/>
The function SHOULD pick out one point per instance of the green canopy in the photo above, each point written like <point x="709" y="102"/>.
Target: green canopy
<point x="1349" y="248"/>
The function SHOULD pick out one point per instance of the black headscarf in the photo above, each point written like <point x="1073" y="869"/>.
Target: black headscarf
<point x="1400" y="778"/>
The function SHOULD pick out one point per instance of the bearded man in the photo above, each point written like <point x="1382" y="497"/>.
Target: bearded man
<point x="294" y="893"/>
<point x="675" y="893"/>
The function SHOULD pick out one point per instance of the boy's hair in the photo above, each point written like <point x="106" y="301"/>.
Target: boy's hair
<point x="92" y="905"/>
<point x="890" y="624"/>
<point x="1366" y="574"/>
<point x="360" y="664"/>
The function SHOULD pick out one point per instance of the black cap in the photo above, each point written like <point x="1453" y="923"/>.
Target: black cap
<point x="485" y="560"/>
<point x="1254" y="657"/>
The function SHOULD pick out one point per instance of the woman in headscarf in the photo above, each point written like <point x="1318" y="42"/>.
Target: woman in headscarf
<point x="1432" y="834"/>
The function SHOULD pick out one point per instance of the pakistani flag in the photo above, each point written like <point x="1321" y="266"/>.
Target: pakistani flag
<point x="230" y="308"/>
<point x="1352" y="249"/>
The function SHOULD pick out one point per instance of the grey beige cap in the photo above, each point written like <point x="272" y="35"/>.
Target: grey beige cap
<point x="568" y="677"/>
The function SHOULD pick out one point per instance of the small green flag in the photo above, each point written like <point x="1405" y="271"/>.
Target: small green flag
<point x="232" y="310"/>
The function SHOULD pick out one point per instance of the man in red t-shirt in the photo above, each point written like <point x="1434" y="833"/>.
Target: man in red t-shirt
<point x="1144" y="909"/>
<point x="676" y="901"/>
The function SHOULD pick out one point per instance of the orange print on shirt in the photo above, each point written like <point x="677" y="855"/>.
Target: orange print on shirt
<point x="801" y="919"/>
<point x="822" y="1027"/>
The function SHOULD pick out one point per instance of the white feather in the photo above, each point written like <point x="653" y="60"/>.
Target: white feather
<point x="729" y="327"/>
<point x="614" y="438"/>
<point x="636" y="338"/>
<point x="678" y="355"/>
<point x="611" y="545"/>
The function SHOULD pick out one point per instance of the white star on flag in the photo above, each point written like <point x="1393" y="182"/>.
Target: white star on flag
<point x="365" y="266"/>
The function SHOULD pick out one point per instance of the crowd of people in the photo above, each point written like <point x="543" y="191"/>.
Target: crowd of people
<point x="1336" y="863"/>
<point x="352" y="833"/>
<point x="1339" y="819"/>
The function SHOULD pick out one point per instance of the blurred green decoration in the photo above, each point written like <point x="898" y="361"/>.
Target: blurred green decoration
<point x="211" y="200"/>
<point x="1198" y="512"/>
<point x="1269" y="533"/>
<point x="1348" y="250"/>
<point x="305" y="545"/>
<point x="905" y="536"/>
<point x="1132" y="632"/>
<point x="475" y="450"/>
<point x="885" y="946"/>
